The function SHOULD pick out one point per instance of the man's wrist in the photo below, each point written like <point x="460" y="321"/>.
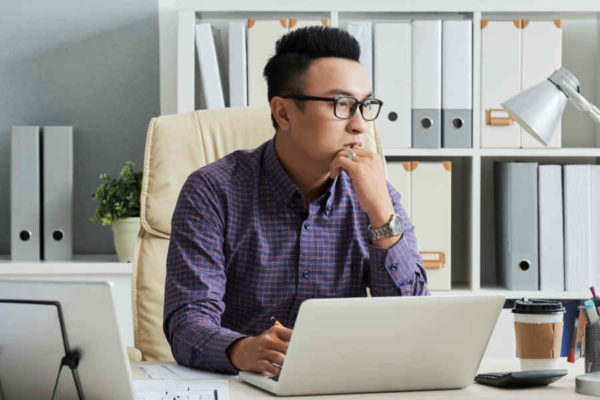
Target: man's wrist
<point x="381" y="217"/>
<point x="233" y="352"/>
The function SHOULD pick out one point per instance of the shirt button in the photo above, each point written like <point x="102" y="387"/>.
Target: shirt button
<point x="307" y="226"/>
<point x="393" y="267"/>
<point x="305" y="273"/>
<point x="328" y="208"/>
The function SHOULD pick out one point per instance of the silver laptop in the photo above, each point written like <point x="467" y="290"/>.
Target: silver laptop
<point x="32" y="341"/>
<point x="384" y="344"/>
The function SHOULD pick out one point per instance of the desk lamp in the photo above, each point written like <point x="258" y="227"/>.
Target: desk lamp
<point x="539" y="108"/>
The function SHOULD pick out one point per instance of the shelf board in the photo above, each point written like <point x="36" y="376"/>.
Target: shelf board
<point x="563" y="152"/>
<point x="536" y="294"/>
<point x="464" y="290"/>
<point x="397" y="6"/>
<point x="583" y="152"/>
<point x="81" y="264"/>
<point x="428" y="152"/>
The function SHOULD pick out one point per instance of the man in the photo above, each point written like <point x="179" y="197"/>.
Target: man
<point x="307" y="214"/>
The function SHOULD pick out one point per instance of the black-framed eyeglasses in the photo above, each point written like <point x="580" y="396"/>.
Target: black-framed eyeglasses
<point x="344" y="107"/>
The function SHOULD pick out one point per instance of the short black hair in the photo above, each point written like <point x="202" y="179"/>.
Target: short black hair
<point x="295" y="51"/>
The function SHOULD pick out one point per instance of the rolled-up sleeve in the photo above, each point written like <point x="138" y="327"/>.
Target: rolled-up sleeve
<point x="398" y="270"/>
<point x="195" y="280"/>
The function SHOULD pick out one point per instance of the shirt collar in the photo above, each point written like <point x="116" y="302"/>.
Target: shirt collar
<point x="284" y="189"/>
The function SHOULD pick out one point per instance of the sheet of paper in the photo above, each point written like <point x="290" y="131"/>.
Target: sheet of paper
<point x="196" y="389"/>
<point x="191" y="373"/>
<point x="159" y="372"/>
<point x="175" y="371"/>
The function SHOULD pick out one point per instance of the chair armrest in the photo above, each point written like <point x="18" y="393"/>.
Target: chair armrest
<point x="134" y="354"/>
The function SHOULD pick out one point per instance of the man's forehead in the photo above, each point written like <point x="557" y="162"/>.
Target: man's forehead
<point x="349" y="92"/>
<point x="338" y="76"/>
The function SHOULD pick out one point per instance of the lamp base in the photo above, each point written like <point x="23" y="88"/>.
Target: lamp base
<point x="588" y="384"/>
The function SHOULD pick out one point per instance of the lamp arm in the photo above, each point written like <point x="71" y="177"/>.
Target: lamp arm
<point x="581" y="103"/>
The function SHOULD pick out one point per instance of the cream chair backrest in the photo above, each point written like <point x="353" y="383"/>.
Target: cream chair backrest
<point x="177" y="145"/>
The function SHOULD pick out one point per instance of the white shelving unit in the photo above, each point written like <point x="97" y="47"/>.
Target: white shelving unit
<point x="473" y="241"/>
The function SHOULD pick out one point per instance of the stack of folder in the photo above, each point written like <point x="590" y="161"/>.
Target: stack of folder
<point x="423" y="74"/>
<point x="251" y="44"/>
<point x="547" y="220"/>
<point x="422" y="70"/>
<point x="515" y="55"/>
<point x="41" y="193"/>
<point x="426" y="190"/>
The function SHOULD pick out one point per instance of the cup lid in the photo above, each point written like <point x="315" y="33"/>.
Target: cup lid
<point x="537" y="306"/>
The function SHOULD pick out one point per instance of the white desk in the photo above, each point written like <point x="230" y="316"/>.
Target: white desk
<point x="563" y="389"/>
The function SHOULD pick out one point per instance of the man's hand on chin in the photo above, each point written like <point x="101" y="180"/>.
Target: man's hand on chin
<point x="260" y="353"/>
<point x="365" y="169"/>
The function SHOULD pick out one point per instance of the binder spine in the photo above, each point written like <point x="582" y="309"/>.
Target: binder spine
<point x="25" y="194"/>
<point x="57" y="192"/>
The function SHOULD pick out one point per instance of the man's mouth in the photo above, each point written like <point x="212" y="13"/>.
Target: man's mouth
<point x="353" y="144"/>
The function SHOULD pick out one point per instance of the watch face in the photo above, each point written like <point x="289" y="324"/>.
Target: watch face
<point x="397" y="225"/>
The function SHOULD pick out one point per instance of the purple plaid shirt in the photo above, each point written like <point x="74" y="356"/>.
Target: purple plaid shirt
<point x="244" y="248"/>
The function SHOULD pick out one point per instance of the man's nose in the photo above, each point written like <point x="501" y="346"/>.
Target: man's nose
<point x="357" y="124"/>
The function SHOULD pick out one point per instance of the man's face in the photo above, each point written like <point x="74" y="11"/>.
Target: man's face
<point x="316" y="131"/>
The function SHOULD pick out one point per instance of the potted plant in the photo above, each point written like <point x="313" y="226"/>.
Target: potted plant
<point x="119" y="206"/>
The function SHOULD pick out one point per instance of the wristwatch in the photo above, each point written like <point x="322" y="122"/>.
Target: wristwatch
<point x="394" y="227"/>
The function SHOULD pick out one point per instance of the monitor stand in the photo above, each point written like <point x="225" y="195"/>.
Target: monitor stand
<point x="71" y="357"/>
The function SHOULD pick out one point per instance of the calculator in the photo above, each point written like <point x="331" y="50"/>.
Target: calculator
<point x="521" y="378"/>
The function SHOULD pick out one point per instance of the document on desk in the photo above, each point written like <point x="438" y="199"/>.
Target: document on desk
<point x="175" y="371"/>
<point x="177" y="389"/>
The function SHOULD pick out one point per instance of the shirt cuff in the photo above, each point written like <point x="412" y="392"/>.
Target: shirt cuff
<point x="396" y="268"/>
<point x="217" y="351"/>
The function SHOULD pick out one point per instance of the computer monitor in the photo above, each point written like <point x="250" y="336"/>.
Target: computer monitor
<point x="32" y="341"/>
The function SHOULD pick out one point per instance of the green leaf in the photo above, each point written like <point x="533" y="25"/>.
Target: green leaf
<point x="118" y="197"/>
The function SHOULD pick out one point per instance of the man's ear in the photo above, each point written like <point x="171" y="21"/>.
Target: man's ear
<point x="279" y="109"/>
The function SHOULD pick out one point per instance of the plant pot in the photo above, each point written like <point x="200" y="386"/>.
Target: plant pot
<point x="125" y="232"/>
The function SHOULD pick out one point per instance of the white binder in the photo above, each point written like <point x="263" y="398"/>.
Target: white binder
<point x="595" y="223"/>
<point x="516" y="213"/>
<point x="431" y="213"/>
<point x="209" y="66"/>
<point x="500" y="80"/>
<point x="457" y="88"/>
<point x="541" y="54"/>
<point x="426" y="84"/>
<point x="238" y="78"/>
<point x="577" y="207"/>
<point x="262" y="36"/>
<point x="550" y="198"/>
<point x="399" y="177"/>
<point x="363" y="32"/>
<point x="57" y="144"/>
<point x="25" y="211"/>
<point x="393" y="70"/>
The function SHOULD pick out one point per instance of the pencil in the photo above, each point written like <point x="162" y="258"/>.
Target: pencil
<point x="275" y="322"/>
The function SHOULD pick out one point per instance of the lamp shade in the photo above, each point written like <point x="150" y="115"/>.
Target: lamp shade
<point x="538" y="110"/>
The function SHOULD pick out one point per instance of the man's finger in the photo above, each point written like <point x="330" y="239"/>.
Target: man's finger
<point x="274" y="356"/>
<point x="347" y="165"/>
<point x="267" y="368"/>
<point x="284" y="333"/>
<point x="341" y="161"/>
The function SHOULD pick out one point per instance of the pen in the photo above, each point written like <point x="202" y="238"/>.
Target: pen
<point x="595" y="298"/>
<point x="592" y="313"/>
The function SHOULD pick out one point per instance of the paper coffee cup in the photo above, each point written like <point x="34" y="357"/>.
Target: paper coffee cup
<point x="538" y="330"/>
